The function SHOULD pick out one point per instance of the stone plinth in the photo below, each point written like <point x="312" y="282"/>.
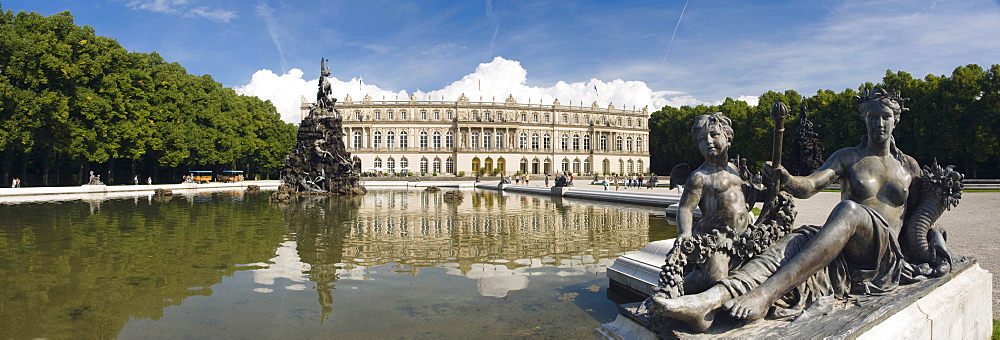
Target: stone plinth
<point x="560" y="191"/>
<point x="956" y="306"/>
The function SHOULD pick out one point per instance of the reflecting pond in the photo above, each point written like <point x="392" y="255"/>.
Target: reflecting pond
<point x="392" y="263"/>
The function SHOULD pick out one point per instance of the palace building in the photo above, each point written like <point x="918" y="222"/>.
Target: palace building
<point x="453" y="137"/>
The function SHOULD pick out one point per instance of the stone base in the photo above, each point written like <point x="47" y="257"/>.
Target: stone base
<point x="560" y="191"/>
<point x="956" y="306"/>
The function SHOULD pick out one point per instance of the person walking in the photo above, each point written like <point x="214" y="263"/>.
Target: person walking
<point x="604" y="181"/>
<point x="546" y="180"/>
<point x="135" y="180"/>
<point x="617" y="180"/>
<point x="13" y="182"/>
<point x="149" y="180"/>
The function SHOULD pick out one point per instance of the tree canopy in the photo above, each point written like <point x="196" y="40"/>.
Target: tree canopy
<point x="71" y="100"/>
<point x="954" y="119"/>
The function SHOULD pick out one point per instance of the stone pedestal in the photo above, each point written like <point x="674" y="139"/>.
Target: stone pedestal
<point x="956" y="306"/>
<point x="560" y="191"/>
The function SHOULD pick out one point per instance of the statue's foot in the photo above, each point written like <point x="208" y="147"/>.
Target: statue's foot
<point x="751" y="306"/>
<point x="697" y="312"/>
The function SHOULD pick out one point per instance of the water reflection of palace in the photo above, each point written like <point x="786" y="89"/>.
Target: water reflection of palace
<point x="418" y="228"/>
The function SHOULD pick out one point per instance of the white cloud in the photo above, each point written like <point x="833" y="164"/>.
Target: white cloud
<point x="212" y="14"/>
<point x="492" y="81"/>
<point x="162" y="6"/>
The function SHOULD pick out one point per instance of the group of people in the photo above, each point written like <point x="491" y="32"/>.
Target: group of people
<point x="149" y="180"/>
<point x="15" y="183"/>
<point x="633" y="181"/>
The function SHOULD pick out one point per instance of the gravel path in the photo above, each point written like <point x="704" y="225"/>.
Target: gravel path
<point x="973" y="228"/>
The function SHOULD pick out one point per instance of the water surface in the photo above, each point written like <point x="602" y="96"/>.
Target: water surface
<point x="393" y="263"/>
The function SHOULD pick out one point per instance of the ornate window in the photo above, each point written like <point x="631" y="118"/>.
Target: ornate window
<point x="522" y="141"/>
<point x="404" y="164"/>
<point x="604" y="142"/>
<point x="524" y="117"/>
<point x="630" y="122"/>
<point x="576" y="166"/>
<point x="391" y="164"/>
<point x="402" y="114"/>
<point x="357" y="140"/>
<point x="423" y="140"/>
<point x="628" y="144"/>
<point x="586" y="142"/>
<point x="404" y="139"/>
<point x="486" y="140"/>
<point x="437" y="164"/>
<point x="630" y="168"/>
<point x="437" y="115"/>
<point x="565" y="119"/>
<point x="449" y="166"/>
<point x="536" y="118"/>
<point x="618" y="143"/>
<point x="437" y="140"/>
<point x="534" y="141"/>
<point x="357" y="115"/>
<point x="547" y="118"/>
<point x="576" y="142"/>
<point x="638" y="144"/>
<point x="378" y="115"/>
<point x="565" y="142"/>
<point x="547" y="142"/>
<point x="423" y="164"/>
<point x="390" y="139"/>
<point x="638" y="167"/>
<point x="586" y="165"/>
<point x="390" y="115"/>
<point x="449" y="140"/>
<point x="377" y="163"/>
<point x="638" y="122"/>
<point x="377" y="139"/>
<point x="450" y="115"/>
<point x="586" y="120"/>
<point x="500" y="140"/>
<point x="565" y="164"/>
<point x="474" y="141"/>
<point x="576" y="119"/>
<point x="619" y="122"/>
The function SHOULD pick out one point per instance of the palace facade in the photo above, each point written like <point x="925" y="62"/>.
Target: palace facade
<point x="453" y="137"/>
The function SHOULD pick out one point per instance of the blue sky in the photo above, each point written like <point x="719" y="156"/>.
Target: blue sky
<point x="636" y="53"/>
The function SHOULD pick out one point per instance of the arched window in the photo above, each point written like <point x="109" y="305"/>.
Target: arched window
<point x="565" y="142"/>
<point x="638" y="167"/>
<point x="423" y="139"/>
<point x="524" y="165"/>
<point x="565" y="164"/>
<point x="628" y="144"/>
<point x="390" y="164"/>
<point x="377" y="163"/>
<point x="500" y="140"/>
<point x="487" y="139"/>
<point x="423" y="164"/>
<point x="638" y="144"/>
<point x="449" y="166"/>
<point x="474" y="141"/>
<point x="404" y="164"/>
<point x="621" y="166"/>
<point x="586" y="142"/>
<point x="576" y="142"/>
<point x="377" y="139"/>
<point x="437" y="164"/>
<point x="522" y="141"/>
<point x="604" y="142"/>
<point x="534" y="141"/>
<point x="358" y="142"/>
<point x="586" y="166"/>
<point x="449" y="140"/>
<point x="630" y="168"/>
<point x="618" y="143"/>
<point x="404" y="139"/>
<point x="547" y="142"/>
<point x="390" y="139"/>
<point x="576" y="166"/>
<point x="437" y="140"/>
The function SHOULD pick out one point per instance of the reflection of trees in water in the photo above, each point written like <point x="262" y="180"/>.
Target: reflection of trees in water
<point x="68" y="273"/>
<point x="485" y="229"/>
